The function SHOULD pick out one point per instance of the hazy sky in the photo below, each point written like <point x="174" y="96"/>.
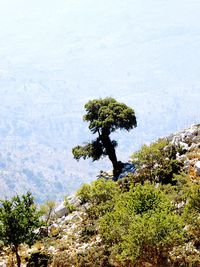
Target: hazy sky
<point x="50" y="34"/>
<point x="135" y="50"/>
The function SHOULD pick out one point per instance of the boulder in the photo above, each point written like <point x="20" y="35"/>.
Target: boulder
<point x="54" y="229"/>
<point x="74" y="200"/>
<point x="61" y="210"/>
<point x="3" y="264"/>
<point x="127" y="168"/>
<point x="197" y="168"/>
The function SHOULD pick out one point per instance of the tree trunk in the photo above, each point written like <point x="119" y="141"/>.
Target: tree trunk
<point x="110" y="151"/>
<point x="17" y="257"/>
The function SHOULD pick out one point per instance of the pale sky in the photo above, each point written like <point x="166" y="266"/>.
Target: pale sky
<point x="130" y="49"/>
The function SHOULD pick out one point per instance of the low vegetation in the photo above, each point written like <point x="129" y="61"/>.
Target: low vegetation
<point x="148" y="218"/>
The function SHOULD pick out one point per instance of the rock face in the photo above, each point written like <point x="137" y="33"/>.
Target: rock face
<point x="197" y="168"/>
<point x="188" y="138"/>
<point x="3" y="264"/>
<point x="189" y="141"/>
<point x="128" y="168"/>
<point x="61" y="210"/>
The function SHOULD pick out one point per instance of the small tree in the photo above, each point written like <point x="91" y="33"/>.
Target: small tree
<point x="157" y="162"/>
<point x="48" y="213"/>
<point x="18" y="220"/>
<point x="105" y="116"/>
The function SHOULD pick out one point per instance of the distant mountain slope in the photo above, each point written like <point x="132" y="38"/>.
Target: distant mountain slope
<point x="55" y="56"/>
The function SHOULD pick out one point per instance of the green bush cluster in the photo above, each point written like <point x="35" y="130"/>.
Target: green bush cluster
<point x="141" y="227"/>
<point x="100" y="196"/>
<point x="69" y="205"/>
<point x="39" y="259"/>
<point x="157" y="162"/>
<point x="96" y="256"/>
<point x="144" y="223"/>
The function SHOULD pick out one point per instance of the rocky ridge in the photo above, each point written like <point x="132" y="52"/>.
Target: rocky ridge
<point x="66" y="231"/>
<point x="189" y="140"/>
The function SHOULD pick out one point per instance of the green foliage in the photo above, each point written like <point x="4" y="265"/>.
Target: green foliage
<point x="38" y="259"/>
<point x="47" y="211"/>
<point x="141" y="227"/>
<point x="84" y="193"/>
<point x="109" y="114"/>
<point x="18" y="220"/>
<point x="157" y="162"/>
<point x="89" y="229"/>
<point x="92" y="257"/>
<point x="99" y="195"/>
<point x="68" y="205"/>
<point x="192" y="213"/>
<point x="64" y="259"/>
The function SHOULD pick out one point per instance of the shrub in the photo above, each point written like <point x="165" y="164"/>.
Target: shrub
<point x="157" y="162"/>
<point x="94" y="256"/>
<point x="192" y="214"/>
<point x="141" y="227"/>
<point x="99" y="195"/>
<point x="69" y="206"/>
<point x="19" y="219"/>
<point x="84" y="193"/>
<point x="38" y="259"/>
<point x="63" y="259"/>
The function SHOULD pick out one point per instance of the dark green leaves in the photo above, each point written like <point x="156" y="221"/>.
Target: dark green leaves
<point x="18" y="220"/>
<point x="110" y="115"/>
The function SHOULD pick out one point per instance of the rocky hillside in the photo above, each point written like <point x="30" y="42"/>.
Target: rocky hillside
<point x="74" y="236"/>
<point x="144" y="53"/>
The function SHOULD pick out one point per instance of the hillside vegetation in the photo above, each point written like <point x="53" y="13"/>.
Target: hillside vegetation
<point x="148" y="218"/>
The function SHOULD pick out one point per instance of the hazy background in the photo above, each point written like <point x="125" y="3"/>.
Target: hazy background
<point x="55" y="55"/>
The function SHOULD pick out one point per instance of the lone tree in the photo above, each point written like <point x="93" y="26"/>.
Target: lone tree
<point x="18" y="220"/>
<point x="105" y="116"/>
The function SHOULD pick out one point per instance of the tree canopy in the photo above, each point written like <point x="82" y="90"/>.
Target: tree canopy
<point x="18" y="220"/>
<point x="105" y="116"/>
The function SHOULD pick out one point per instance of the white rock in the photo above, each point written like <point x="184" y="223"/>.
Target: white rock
<point x="51" y="249"/>
<point x="197" y="167"/>
<point x="184" y="145"/>
<point x="61" y="210"/>
<point x="74" y="200"/>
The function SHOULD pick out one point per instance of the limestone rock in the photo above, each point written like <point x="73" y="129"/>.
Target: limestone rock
<point x="197" y="168"/>
<point x="61" y="210"/>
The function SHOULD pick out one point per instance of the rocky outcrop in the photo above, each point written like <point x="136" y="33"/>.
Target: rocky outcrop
<point x="63" y="210"/>
<point x="127" y="168"/>
<point x="188" y="139"/>
<point x="189" y="142"/>
<point x="197" y="168"/>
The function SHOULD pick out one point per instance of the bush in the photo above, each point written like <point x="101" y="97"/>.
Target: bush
<point x="100" y="196"/>
<point x="84" y="193"/>
<point x="157" y="162"/>
<point x="94" y="256"/>
<point x="63" y="259"/>
<point x="192" y="213"/>
<point x="69" y="206"/>
<point x="39" y="259"/>
<point x="142" y="227"/>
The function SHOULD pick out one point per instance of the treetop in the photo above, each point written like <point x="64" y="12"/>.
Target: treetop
<point x="108" y="115"/>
